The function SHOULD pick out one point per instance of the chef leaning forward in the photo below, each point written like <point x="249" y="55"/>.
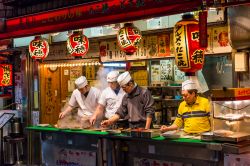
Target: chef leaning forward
<point x="84" y="97"/>
<point x="137" y="103"/>
<point x="193" y="113"/>
<point x="111" y="98"/>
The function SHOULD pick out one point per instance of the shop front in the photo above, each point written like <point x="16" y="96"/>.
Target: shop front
<point x="153" y="65"/>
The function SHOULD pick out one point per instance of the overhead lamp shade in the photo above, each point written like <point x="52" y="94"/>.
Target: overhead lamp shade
<point x="77" y="44"/>
<point x="39" y="48"/>
<point x="189" y="56"/>
<point x="129" y="38"/>
<point x="5" y="75"/>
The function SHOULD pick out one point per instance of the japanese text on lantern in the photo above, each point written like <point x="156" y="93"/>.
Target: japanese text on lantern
<point x="180" y="47"/>
<point x="6" y="75"/>
<point x="197" y="57"/>
<point x="79" y="48"/>
<point x="38" y="51"/>
<point x="137" y="37"/>
<point x="195" y="36"/>
<point x="124" y="41"/>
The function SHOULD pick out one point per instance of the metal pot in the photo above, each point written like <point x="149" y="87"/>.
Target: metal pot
<point x="16" y="127"/>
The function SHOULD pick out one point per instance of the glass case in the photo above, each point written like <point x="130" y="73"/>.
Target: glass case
<point x="231" y="114"/>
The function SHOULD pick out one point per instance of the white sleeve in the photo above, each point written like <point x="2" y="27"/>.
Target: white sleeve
<point x="102" y="98"/>
<point x="72" y="101"/>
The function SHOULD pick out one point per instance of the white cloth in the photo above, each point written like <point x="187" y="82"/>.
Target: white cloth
<point x="111" y="101"/>
<point x="124" y="78"/>
<point x="200" y="82"/>
<point x="112" y="76"/>
<point x="87" y="105"/>
<point x="188" y="85"/>
<point x="81" y="82"/>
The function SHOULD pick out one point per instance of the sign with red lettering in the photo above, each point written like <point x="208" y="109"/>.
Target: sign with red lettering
<point x="93" y="14"/>
<point x="242" y="92"/>
<point x="5" y="75"/>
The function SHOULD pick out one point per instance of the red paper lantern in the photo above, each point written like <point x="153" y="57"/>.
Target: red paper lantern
<point x="39" y="48"/>
<point x="129" y="38"/>
<point x="5" y="75"/>
<point x="78" y="44"/>
<point x="189" y="56"/>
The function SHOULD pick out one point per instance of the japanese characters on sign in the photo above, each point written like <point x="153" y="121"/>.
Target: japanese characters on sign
<point x="181" y="53"/>
<point x="5" y="75"/>
<point x="77" y="44"/>
<point x="129" y="38"/>
<point x="163" y="45"/>
<point x="38" y="48"/>
<point x="189" y="56"/>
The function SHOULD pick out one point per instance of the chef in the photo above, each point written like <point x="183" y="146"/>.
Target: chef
<point x="193" y="113"/>
<point x="84" y="97"/>
<point x="137" y="103"/>
<point x="111" y="98"/>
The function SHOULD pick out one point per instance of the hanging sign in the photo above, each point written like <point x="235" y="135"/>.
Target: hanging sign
<point x="129" y="38"/>
<point x="92" y="14"/>
<point x="189" y="56"/>
<point x="5" y="75"/>
<point x="77" y="44"/>
<point x="39" y="48"/>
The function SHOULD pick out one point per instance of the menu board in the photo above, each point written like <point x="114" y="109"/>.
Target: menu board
<point x="155" y="72"/>
<point x="4" y="118"/>
<point x="179" y="76"/>
<point x="166" y="70"/>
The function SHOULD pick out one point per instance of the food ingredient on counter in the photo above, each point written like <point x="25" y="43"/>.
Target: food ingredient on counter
<point x="223" y="133"/>
<point x="73" y="122"/>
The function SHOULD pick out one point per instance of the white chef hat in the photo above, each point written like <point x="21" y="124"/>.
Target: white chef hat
<point x="112" y="76"/>
<point x="81" y="82"/>
<point x="188" y="85"/>
<point x="124" y="78"/>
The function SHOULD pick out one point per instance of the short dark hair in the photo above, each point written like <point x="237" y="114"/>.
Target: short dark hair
<point x="132" y="81"/>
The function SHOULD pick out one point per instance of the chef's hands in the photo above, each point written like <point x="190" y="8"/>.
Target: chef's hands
<point x="106" y="123"/>
<point x="62" y="114"/>
<point x="110" y="121"/>
<point x="92" y="120"/>
<point x="164" y="128"/>
<point x="65" y="112"/>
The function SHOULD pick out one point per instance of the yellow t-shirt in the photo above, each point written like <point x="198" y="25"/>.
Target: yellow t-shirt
<point x="194" y="118"/>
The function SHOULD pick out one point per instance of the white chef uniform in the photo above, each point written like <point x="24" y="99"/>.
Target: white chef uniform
<point x="111" y="101"/>
<point x="86" y="105"/>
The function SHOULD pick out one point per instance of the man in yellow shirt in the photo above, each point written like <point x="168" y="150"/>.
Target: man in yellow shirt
<point x="193" y="113"/>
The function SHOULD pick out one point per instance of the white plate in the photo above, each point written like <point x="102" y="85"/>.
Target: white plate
<point x="43" y="125"/>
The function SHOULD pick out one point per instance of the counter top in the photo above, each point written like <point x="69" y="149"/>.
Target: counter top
<point x="53" y="129"/>
<point x="119" y="136"/>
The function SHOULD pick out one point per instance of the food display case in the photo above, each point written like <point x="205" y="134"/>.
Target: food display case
<point x="231" y="114"/>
